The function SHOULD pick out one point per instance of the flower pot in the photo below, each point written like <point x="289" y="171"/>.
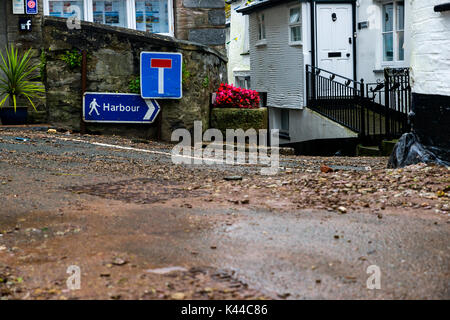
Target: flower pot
<point x="9" y="116"/>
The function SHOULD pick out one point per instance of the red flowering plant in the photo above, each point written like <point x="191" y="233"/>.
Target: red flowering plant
<point x="229" y="96"/>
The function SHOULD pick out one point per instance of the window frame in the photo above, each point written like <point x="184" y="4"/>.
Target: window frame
<point x="238" y="79"/>
<point x="246" y="40"/>
<point x="130" y="8"/>
<point x="395" y="33"/>
<point x="262" y="34"/>
<point x="296" y="24"/>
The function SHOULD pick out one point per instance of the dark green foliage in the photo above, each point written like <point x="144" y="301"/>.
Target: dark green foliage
<point x="72" y="58"/>
<point x="134" y="86"/>
<point x="17" y="77"/>
<point x="185" y="74"/>
<point x="238" y="118"/>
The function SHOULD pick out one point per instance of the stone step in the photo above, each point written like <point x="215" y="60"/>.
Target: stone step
<point x="387" y="146"/>
<point x="385" y="149"/>
<point x="367" y="151"/>
<point x="287" y="151"/>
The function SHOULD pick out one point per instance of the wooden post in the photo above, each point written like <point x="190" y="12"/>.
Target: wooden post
<point x="83" y="88"/>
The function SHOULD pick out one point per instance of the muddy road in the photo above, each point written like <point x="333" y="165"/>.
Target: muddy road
<point x="140" y="227"/>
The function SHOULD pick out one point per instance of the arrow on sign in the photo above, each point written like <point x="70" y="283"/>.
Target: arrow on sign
<point x="152" y="106"/>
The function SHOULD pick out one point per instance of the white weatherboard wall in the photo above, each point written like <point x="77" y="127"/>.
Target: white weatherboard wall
<point x="430" y="58"/>
<point x="369" y="45"/>
<point x="238" y="56"/>
<point x="276" y="67"/>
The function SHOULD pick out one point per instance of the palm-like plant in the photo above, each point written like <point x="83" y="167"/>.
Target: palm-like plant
<point x="18" y="76"/>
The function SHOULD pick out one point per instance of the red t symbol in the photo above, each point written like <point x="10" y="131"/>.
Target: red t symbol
<point x="161" y="64"/>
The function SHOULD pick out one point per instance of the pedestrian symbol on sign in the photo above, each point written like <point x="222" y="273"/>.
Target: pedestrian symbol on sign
<point x="93" y="106"/>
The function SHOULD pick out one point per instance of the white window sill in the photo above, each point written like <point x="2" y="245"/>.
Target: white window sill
<point x="393" y="64"/>
<point x="295" y="43"/>
<point x="261" y="43"/>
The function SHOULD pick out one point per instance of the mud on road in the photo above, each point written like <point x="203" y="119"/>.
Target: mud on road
<point x="124" y="214"/>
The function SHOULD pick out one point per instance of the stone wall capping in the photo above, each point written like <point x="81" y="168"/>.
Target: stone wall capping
<point x="135" y="35"/>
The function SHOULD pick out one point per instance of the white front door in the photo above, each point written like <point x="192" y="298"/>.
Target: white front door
<point x="334" y="32"/>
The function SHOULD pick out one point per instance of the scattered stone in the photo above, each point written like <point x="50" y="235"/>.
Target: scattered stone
<point x="342" y="210"/>
<point x="178" y="296"/>
<point x="283" y="295"/>
<point x="119" y="262"/>
<point x="326" y="169"/>
<point x="233" y="178"/>
<point x="166" y="270"/>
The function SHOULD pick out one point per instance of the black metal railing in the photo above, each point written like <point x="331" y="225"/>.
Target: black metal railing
<point x="374" y="110"/>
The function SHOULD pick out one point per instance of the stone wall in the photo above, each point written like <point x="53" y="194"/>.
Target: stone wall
<point x="201" y="21"/>
<point x="114" y="60"/>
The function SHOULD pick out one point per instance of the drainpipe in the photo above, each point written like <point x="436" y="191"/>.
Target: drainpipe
<point x="313" y="33"/>
<point x="83" y="88"/>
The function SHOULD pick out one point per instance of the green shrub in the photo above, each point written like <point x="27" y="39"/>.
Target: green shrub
<point x="72" y="58"/>
<point x="18" y="77"/>
<point x="134" y="85"/>
<point x="185" y="74"/>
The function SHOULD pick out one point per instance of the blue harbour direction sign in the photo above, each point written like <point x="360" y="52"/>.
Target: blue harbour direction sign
<point x="118" y="108"/>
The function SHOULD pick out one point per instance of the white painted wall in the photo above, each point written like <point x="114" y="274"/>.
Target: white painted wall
<point x="306" y="125"/>
<point x="430" y="59"/>
<point x="238" y="60"/>
<point x="369" y="51"/>
<point x="277" y="67"/>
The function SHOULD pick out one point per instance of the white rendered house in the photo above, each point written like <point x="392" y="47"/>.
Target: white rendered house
<point x="352" y="39"/>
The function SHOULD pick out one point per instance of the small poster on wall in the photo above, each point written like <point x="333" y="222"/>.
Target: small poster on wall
<point x="32" y="6"/>
<point x="18" y="6"/>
